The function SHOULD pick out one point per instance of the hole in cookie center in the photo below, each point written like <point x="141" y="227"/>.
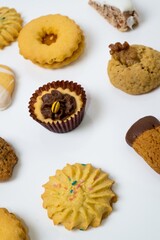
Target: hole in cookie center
<point x="48" y="39"/>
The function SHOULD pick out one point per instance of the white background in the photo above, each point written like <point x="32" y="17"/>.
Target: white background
<point x="99" y="140"/>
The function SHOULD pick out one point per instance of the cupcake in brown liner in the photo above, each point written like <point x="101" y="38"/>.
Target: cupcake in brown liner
<point x="58" y="106"/>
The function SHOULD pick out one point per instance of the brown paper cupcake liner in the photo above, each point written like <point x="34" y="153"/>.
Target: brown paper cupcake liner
<point x="66" y="125"/>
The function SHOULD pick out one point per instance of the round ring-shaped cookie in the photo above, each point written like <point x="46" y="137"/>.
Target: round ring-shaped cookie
<point x="51" y="41"/>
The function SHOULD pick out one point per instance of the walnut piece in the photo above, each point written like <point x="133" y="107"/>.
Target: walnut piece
<point x="124" y="53"/>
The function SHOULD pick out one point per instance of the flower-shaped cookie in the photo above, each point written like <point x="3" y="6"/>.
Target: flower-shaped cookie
<point x="78" y="196"/>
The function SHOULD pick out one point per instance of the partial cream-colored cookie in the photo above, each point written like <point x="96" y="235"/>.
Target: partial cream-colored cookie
<point x="134" y="69"/>
<point x="7" y="84"/>
<point x="11" y="227"/>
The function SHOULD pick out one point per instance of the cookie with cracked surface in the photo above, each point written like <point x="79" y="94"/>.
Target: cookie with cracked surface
<point x="134" y="69"/>
<point x="10" y="26"/>
<point x="8" y="160"/>
<point x="79" y="196"/>
<point x="144" y="137"/>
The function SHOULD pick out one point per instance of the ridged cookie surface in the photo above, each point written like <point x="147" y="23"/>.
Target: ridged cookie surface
<point x="10" y="25"/>
<point x="78" y="196"/>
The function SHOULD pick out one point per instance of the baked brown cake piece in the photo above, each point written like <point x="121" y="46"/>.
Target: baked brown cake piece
<point x="8" y="160"/>
<point x="120" y="14"/>
<point x="144" y="137"/>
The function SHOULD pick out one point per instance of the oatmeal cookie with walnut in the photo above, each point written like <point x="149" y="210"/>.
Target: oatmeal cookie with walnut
<point x="134" y="69"/>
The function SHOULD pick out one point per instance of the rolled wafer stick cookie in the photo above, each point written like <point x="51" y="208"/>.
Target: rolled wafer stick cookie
<point x="7" y="84"/>
<point x="144" y="137"/>
<point x="119" y="13"/>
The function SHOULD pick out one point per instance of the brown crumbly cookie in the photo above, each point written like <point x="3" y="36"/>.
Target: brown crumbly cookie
<point x="51" y="41"/>
<point x="134" y="69"/>
<point x="144" y="137"/>
<point x="123" y="20"/>
<point x="8" y="160"/>
<point x="12" y="227"/>
<point x="10" y="25"/>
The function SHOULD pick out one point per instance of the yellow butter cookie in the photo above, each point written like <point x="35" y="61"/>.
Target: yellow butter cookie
<point x="10" y="25"/>
<point x="11" y="227"/>
<point x="51" y="41"/>
<point x="78" y="196"/>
